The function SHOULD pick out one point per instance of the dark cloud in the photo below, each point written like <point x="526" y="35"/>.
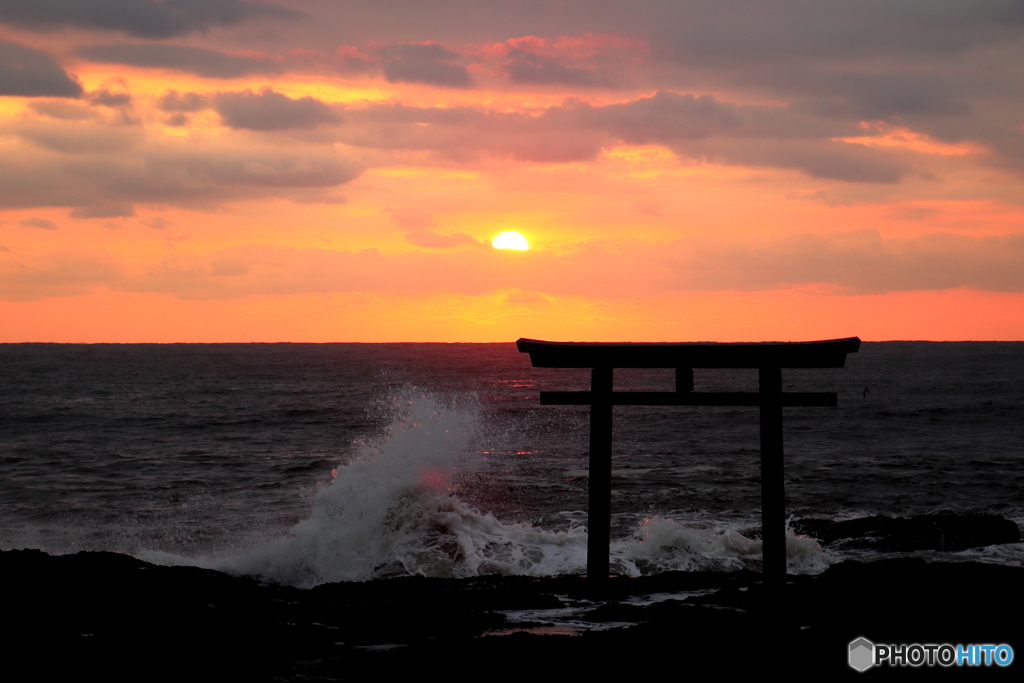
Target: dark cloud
<point x="713" y="33"/>
<point x="702" y="128"/>
<point x="142" y="18"/>
<point x="182" y="102"/>
<point x="269" y="111"/>
<point x="890" y="96"/>
<point x="195" y="60"/>
<point x="36" y="222"/>
<point x="755" y="135"/>
<point x="1011" y="150"/>
<point x="28" y="72"/>
<point x="859" y="262"/>
<point x="465" y="133"/>
<point x="201" y="172"/>
<point x="829" y="159"/>
<point x="428" y="63"/>
<point x="197" y="174"/>
<point x="106" y="98"/>
<point x="103" y="211"/>
<point x="669" y="116"/>
<point x="754" y="34"/>
<point x="351" y="62"/>
<point x="64" y="110"/>
<point x="81" y="137"/>
<point x="525" y="67"/>
<point x="945" y="68"/>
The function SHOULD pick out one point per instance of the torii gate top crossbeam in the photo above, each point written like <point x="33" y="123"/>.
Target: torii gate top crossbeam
<point x="816" y="354"/>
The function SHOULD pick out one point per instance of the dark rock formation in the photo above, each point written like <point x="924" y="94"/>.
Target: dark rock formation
<point x="948" y="532"/>
<point x="113" y="617"/>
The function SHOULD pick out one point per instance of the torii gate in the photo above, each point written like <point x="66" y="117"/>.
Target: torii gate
<point x="768" y="357"/>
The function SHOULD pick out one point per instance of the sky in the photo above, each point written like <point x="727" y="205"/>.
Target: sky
<point x="683" y="170"/>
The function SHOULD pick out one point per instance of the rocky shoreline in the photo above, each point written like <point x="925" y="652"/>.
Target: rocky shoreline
<point x="126" y="619"/>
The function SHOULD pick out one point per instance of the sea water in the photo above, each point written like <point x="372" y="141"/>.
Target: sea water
<point x="307" y="463"/>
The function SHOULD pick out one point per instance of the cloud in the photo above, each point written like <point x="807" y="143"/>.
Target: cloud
<point x="194" y="60"/>
<point x="912" y="213"/>
<point x="59" y="274"/>
<point x="694" y="127"/>
<point x="746" y="32"/>
<point x="411" y="218"/>
<point x="141" y="18"/>
<point x="939" y="67"/>
<point x="828" y="159"/>
<point x="64" y="109"/>
<point x="858" y="262"/>
<point x="432" y="240"/>
<point x="198" y="171"/>
<point x="157" y="222"/>
<point x="429" y="63"/>
<point x="419" y="224"/>
<point x="271" y="111"/>
<point x="855" y="95"/>
<point x="667" y="116"/>
<point x="106" y="98"/>
<point x="578" y="61"/>
<point x="529" y="68"/>
<point x="182" y="102"/>
<point x="351" y="62"/>
<point x="81" y="137"/>
<point x="104" y="211"/>
<point x="28" y="72"/>
<point x="556" y="134"/>
<point x="36" y="222"/>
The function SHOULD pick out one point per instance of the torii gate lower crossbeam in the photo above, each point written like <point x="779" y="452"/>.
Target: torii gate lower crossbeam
<point x="769" y="358"/>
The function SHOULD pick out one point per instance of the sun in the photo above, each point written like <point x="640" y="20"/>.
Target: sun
<point x="510" y="240"/>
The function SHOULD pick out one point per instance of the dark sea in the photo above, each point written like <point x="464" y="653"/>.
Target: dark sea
<point x="310" y="463"/>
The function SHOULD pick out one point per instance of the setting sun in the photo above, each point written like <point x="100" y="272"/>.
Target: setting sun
<point x="510" y="240"/>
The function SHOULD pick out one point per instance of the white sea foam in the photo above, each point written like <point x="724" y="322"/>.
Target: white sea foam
<point x="395" y="510"/>
<point x="662" y="544"/>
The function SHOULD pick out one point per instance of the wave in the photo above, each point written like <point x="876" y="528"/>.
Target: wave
<point x="394" y="510"/>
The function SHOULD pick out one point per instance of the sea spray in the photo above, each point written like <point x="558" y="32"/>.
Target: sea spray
<point x="663" y="544"/>
<point x="378" y="509"/>
<point x="395" y="510"/>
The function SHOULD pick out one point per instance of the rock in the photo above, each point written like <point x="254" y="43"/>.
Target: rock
<point x="949" y="532"/>
<point x="111" y="616"/>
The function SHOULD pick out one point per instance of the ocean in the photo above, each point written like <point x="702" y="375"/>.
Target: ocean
<point x="311" y="463"/>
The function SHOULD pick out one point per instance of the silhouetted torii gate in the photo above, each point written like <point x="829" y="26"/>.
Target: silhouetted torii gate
<point x="768" y="357"/>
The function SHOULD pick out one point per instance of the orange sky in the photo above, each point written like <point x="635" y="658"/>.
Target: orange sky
<point x="292" y="172"/>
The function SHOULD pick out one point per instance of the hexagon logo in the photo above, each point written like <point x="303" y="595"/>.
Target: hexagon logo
<point x="862" y="654"/>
